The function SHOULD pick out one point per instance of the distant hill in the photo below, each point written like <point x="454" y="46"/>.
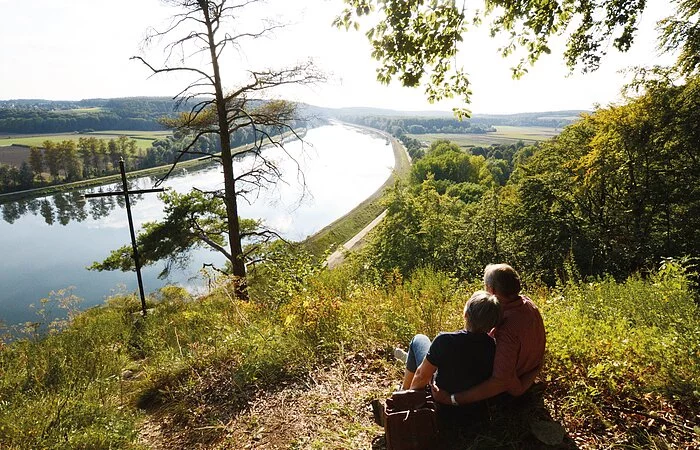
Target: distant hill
<point x="36" y="116"/>
<point x="366" y="111"/>
<point x="49" y="116"/>
<point x="555" y="119"/>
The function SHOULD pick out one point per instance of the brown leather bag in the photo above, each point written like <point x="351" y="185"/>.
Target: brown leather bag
<point x="410" y="421"/>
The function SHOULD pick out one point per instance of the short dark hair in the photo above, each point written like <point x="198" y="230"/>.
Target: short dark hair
<point x="482" y="312"/>
<point x="502" y="279"/>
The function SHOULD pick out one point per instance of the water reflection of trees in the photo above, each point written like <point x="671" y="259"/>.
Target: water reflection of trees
<point x="65" y="207"/>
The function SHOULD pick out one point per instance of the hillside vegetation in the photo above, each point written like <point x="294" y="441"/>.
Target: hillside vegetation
<point x="601" y="221"/>
<point x="621" y="366"/>
<point x="45" y="116"/>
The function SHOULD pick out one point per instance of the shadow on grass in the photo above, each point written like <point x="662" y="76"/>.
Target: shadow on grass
<point x="196" y="406"/>
<point x="503" y="422"/>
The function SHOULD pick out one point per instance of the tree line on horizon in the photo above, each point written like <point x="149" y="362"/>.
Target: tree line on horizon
<point x="41" y="117"/>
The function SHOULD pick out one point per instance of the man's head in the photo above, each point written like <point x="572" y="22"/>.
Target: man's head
<point x="482" y="312"/>
<point x="501" y="280"/>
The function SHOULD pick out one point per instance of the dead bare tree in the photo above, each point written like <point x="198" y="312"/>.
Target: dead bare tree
<point x="209" y="28"/>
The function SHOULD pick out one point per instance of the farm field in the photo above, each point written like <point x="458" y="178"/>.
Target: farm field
<point x="93" y="109"/>
<point x="133" y="134"/>
<point x="13" y="155"/>
<point x="143" y="139"/>
<point x="503" y="135"/>
<point x="14" y="149"/>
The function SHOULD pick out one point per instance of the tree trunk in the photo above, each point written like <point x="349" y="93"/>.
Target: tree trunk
<point x="234" y="235"/>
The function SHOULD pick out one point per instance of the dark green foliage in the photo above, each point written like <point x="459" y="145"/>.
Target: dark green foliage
<point x="68" y="161"/>
<point x="414" y="147"/>
<point x="427" y="229"/>
<point x="420" y="125"/>
<point x="9" y="178"/>
<point x="45" y="116"/>
<point x="613" y="194"/>
<point x="165" y="151"/>
<point x="617" y="191"/>
<point x="446" y="161"/>
<point x="415" y="42"/>
<point x="191" y="220"/>
<point x="504" y="152"/>
<point x="467" y="192"/>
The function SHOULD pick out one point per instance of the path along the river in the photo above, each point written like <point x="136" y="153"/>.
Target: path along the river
<point x="402" y="166"/>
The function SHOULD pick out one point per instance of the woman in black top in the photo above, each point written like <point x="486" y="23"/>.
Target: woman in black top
<point x="458" y="360"/>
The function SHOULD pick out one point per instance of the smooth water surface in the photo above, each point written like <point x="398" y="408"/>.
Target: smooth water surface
<point x="46" y="242"/>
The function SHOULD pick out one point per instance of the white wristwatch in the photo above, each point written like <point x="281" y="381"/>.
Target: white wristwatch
<point x="453" y="400"/>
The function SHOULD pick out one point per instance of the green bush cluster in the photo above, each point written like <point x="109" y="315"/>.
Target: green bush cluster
<point x="625" y="339"/>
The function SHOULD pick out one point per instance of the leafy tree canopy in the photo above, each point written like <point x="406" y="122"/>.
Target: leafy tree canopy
<point x="613" y="194"/>
<point x="195" y="219"/>
<point x="416" y="41"/>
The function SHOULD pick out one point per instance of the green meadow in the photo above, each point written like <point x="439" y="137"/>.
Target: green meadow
<point x="503" y="135"/>
<point x="90" y="110"/>
<point x="144" y="139"/>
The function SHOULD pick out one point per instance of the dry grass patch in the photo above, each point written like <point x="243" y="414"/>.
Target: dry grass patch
<point x="327" y="409"/>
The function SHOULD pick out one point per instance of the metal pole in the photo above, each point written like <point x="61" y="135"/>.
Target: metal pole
<point x="133" y="236"/>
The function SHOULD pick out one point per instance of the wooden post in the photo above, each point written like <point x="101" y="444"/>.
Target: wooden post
<point x="135" y="251"/>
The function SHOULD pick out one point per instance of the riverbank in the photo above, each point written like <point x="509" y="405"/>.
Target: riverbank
<point x="92" y="182"/>
<point x="346" y="227"/>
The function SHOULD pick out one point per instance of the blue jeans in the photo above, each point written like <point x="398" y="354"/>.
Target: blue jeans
<point x="417" y="349"/>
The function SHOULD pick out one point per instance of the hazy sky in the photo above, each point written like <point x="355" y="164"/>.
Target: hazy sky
<point x="75" y="49"/>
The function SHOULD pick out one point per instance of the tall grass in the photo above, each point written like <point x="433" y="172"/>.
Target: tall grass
<point x="63" y="389"/>
<point x="87" y="386"/>
<point x="636" y="340"/>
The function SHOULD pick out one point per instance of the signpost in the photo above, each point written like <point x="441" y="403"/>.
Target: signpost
<point x="126" y="192"/>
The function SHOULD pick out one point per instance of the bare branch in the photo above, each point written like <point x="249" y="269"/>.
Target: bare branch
<point x="205" y="265"/>
<point x="209" y="27"/>
<point x="173" y="69"/>
<point x="177" y="20"/>
<point x="182" y="153"/>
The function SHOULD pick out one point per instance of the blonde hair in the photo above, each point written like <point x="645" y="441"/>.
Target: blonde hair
<point x="482" y="312"/>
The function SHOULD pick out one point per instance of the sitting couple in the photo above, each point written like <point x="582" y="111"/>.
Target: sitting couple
<point x="500" y="350"/>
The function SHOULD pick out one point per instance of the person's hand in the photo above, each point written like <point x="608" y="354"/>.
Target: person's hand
<point x="440" y="395"/>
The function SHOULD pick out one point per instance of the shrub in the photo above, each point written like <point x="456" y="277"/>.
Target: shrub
<point x="630" y="339"/>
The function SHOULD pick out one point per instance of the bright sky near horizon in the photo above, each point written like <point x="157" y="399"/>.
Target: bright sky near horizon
<point x="76" y="49"/>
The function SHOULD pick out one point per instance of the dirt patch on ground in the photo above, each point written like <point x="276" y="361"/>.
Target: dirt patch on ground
<point x="330" y="409"/>
<point x="14" y="155"/>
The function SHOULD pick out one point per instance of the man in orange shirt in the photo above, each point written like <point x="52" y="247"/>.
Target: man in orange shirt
<point x="520" y="342"/>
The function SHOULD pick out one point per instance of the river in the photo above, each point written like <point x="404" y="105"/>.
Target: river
<point x="46" y="243"/>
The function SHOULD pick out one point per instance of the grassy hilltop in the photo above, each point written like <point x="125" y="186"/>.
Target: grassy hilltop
<point x="297" y="367"/>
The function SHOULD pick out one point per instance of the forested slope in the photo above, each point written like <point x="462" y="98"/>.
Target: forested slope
<point x="42" y="116"/>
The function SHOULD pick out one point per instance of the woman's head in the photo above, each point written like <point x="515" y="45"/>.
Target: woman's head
<point x="482" y="312"/>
